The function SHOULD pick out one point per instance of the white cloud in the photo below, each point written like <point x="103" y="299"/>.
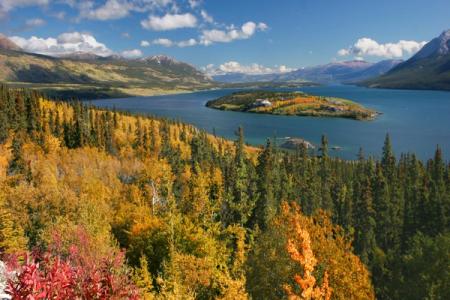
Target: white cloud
<point x="163" y="42"/>
<point x="194" y="3"/>
<point x="169" y="22"/>
<point x="187" y="43"/>
<point x="115" y="9"/>
<point x="135" y="53"/>
<point x="262" y="26"/>
<point x="66" y="43"/>
<point x="236" y="67"/>
<point x="145" y="44"/>
<point x="60" y="15"/>
<point x="34" y="22"/>
<point x="111" y="10"/>
<point x="247" y="30"/>
<point x="343" y="52"/>
<point x="8" y="5"/>
<point x="284" y="69"/>
<point x="169" y="43"/>
<point x="206" y="16"/>
<point x="210" y="36"/>
<point x="370" y="47"/>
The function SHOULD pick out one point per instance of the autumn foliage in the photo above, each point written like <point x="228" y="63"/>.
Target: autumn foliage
<point x="52" y="275"/>
<point x="109" y="205"/>
<point x="304" y="257"/>
<point x="300" y="251"/>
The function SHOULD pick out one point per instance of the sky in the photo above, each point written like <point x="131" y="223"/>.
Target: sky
<point x="220" y="36"/>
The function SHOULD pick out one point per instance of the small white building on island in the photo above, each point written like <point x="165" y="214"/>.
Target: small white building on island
<point x="263" y="102"/>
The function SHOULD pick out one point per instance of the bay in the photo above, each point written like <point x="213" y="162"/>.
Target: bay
<point x="417" y="121"/>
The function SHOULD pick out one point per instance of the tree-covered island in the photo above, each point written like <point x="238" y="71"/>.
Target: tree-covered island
<point x="292" y="103"/>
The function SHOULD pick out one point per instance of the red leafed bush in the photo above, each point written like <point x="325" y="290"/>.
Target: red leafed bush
<point x="50" y="275"/>
<point x="45" y="278"/>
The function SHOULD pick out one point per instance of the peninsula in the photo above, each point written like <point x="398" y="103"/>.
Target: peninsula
<point x="292" y="104"/>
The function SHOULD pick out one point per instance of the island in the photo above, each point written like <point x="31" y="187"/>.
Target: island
<point x="292" y="104"/>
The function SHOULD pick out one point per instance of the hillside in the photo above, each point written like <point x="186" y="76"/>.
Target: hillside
<point x="336" y="72"/>
<point x="427" y="69"/>
<point x="84" y="73"/>
<point x="135" y="207"/>
<point x="7" y="44"/>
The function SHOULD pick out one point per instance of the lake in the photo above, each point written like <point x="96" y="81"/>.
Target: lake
<point x="417" y="121"/>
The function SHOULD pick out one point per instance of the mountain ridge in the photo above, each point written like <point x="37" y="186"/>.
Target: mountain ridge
<point x="334" y="72"/>
<point x="7" y="44"/>
<point x="429" y="68"/>
<point x="94" y="75"/>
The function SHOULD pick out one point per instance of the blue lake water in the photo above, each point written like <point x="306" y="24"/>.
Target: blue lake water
<point x="417" y="121"/>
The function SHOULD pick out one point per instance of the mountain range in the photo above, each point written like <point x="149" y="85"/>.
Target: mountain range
<point x="335" y="72"/>
<point x="427" y="69"/>
<point x="86" y="74"/>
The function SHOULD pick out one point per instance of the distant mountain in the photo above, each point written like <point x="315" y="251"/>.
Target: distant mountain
<point x="242" y="77"/>
<point x="427" y="69"/>
<point x="81" y="56"/>
<point x="371" y="71"/>
<point x="113" y="75"/>
<point x="332" y="72"/>
<point x="336" y="72"/>
<point x="7" y="44"/>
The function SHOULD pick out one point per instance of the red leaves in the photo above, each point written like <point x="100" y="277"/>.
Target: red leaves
<point x="45" y="279"/>
<point x="52" y="275"/>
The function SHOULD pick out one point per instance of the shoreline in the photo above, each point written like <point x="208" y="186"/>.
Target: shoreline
<point x="298" y="104"/>
<point x="301" y="115"/>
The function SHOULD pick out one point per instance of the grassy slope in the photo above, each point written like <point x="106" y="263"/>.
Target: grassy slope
<point x="103" y="77"/>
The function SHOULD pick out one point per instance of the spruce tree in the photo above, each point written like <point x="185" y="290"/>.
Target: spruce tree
<point x="266" y="205"/>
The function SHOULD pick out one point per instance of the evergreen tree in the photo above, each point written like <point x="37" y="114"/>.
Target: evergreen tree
<point x="17" y="164"/>
<point x="266" y="206"/>
<point x="388" y="159"/>
<point x="364" y="221"/>
<point x="324" y="147"/>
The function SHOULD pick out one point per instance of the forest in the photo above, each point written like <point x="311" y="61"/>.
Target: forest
<point x="102" y="204"/>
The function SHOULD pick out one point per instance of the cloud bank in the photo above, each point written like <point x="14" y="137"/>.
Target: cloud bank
<point x="247" y="30"/>
<point x="8" y="5"/>
<point x="66" y="43"/>
<point x="35" y="22"/>
<point x="116" y="9"/>
<point x="370" y="47"/>
<point x="169" y="22"/>
<point x="169" y="43"/>
<point x="252" y="69"/>
<point x="130" y="54"/>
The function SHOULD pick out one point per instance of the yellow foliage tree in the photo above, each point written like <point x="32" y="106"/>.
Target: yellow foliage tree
<point x="299" y="248"/>
<point x="311" y="246"/>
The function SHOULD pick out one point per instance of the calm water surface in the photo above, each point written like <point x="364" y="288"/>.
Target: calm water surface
<point x="416" y="120"/>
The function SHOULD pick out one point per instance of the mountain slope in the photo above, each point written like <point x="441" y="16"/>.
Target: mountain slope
<point x="113" y="75"/>
<point x="242" y="77"/>
<point x="372" y="71"/>
<point x="332" y="72"/>
<point x="427" y="69"/>
<point x="7" y="44"/>
<point x="336" y="72"/>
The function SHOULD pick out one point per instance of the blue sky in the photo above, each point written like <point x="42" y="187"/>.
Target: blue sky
<point x="254" y="36"/>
